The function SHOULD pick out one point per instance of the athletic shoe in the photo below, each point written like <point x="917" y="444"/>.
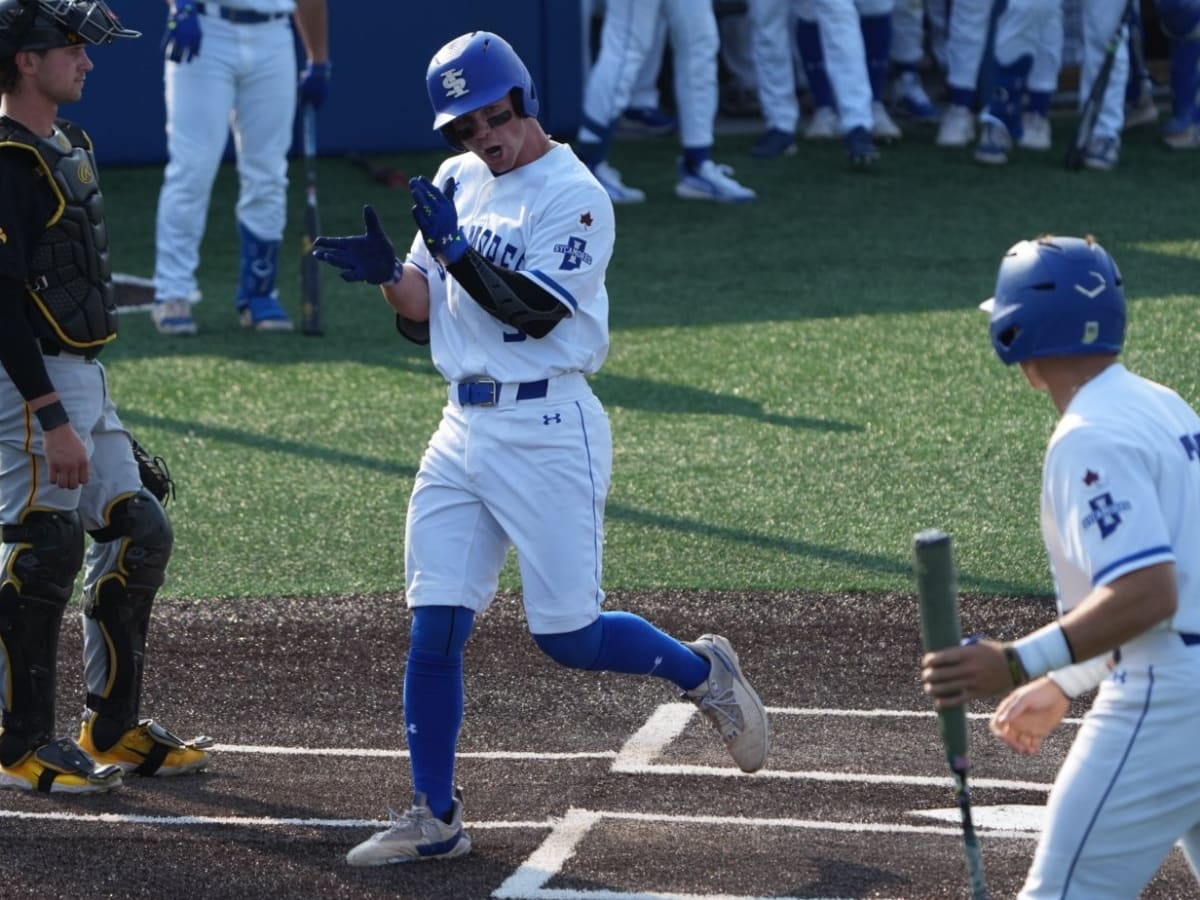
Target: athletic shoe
<point x="1035" y="132"/>
<point x="823" y="126"/>
<point x="173" y="317"/>
<point x="1143" y="111"/>
<point x="884" y="129"/>
<point x="861" y="149"/>
<point x="911" y="101"/>
<point x="645" y="122"/>
<point x="263" y="314"/>
<point x="415" y="836"/>
<point x="618" y="191"/>
<point x="730" y="704"/>
<point x="1103" y="153"/>
<point x="957" y="128"/>
<point x="995" y="143"/>
<point x="60" y="767"/>
<point x="774" y="142"/>
<point x="148" y="749"/>
<point x="1181" y="134"/>
<point x="711" y="182"/>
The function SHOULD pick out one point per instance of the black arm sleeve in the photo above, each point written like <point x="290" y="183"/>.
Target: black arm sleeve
<point x="513" y="299"/>
<point x="19" y="351"/>
<point x="417" y="332"/>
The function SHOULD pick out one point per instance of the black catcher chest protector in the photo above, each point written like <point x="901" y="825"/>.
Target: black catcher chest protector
<point x="70" y="278"/>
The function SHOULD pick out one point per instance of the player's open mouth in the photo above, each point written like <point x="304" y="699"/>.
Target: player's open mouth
<point x="494" y="152"/>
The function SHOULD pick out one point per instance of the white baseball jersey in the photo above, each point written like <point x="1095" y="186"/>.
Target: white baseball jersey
<point x="1121" y="491"/>
<point x="532" y="470"/>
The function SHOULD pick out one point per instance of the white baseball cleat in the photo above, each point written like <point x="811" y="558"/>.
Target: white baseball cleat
<point x="884" y="128"/>
<point x="712" y="182"/>
<point x="823" y="126"/>
<point x="957" y="128"/>
<point x="173" y="317"/>
<point x="730" y="704"/>
<point x="618" y="191"/>
<point x="415" y="836"/>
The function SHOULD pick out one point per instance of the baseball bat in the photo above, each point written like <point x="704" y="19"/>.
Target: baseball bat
<point x="1095" y="98"/>
<point x="385" y="175"/>
<point x="311" y="318"/>
<point x="937" y="592"/>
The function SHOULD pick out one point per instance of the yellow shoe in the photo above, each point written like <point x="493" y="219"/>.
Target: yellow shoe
<point x="60" y="767"/>
<point x="149" y="749"/>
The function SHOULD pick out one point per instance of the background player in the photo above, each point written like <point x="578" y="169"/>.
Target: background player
<point x="514" y="306"/>
<point x="66" y="462"/>
<point x="232" y="65"/>
<point x="1121" y="522"/>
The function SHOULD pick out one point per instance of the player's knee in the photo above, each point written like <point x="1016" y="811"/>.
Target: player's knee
<point x="48" y="554"/>
<point x="574" y="649"/>
<point x="139" y="520"/>
<point x="441" y="630"/>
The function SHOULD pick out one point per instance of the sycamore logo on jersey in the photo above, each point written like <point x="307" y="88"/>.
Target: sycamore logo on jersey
<point x="574" y="253"/>
<point x="1106" y="513"/>
<point x="454" y="83"/>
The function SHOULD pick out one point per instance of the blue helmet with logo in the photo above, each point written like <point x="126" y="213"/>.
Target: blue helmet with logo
<point x="1056" y="296"/>
<point x="474" y="70"/>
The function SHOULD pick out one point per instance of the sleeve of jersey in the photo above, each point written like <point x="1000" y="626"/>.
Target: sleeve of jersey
<point x="20" y="355"/>
<point x="1106" y="506"/>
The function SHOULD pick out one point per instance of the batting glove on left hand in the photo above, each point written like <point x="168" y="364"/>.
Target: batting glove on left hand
<point x="314" y="83"/>
<point x="437" y="218"/>
<point x="181" y="40"/>
<point x="366" y="257"/>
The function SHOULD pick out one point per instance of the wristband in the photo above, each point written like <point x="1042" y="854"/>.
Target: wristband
<point x="397" y="272"/>
<point x="52" y="415"/>
<point x="1043" y="651"/>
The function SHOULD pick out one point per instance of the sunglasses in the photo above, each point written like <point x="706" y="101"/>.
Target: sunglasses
<point x="467" y="129"/>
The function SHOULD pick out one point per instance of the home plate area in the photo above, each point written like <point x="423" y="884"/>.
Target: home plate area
<point x="577" y="785"/>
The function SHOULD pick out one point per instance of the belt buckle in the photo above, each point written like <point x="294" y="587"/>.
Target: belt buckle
<point x="484" y="384"/>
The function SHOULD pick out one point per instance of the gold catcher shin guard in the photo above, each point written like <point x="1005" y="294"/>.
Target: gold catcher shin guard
<point x="117" y="606"/>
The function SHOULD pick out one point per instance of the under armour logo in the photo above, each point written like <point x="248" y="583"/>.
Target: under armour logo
<point x="1094" y="292"/>
<point x="552" y="418"/>
<point x="454" y="83"/>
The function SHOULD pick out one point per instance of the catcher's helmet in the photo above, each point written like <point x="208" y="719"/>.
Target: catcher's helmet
<point x="46" y="24"/>
<point x="473" y="70"/>
<point x="1056" y="296"/>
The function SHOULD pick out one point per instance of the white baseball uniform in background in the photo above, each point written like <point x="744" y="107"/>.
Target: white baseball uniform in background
<point x="1121" y="491"/>
<point x="244" y="76"/>
<point x="532" y="472"/>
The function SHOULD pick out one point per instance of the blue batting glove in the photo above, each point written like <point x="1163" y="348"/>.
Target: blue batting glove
<point x="437" y="218"/>
<point x="181" y="40"/>
<point x="368" y="257"/>
<point x="314" y="83"/>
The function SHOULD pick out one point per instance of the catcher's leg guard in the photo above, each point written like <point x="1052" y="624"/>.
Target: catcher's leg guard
<point x="42" y="556"/>
<point x="129" y="563"/>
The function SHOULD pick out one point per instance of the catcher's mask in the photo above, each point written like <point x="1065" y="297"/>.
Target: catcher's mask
<point x="472" y="71"/>
<point x="46" y="24"/>
<point x="1056" y="296"/>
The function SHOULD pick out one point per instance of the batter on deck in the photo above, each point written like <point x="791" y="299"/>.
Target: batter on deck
<point x="1121" y="522"/>
<point x="506" y="283"/>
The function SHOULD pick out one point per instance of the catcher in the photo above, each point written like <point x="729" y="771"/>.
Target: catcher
<point x="67" y="464"/>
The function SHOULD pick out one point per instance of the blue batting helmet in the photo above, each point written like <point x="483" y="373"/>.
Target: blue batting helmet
<point x="1056" y="296"/>
<point x="474" y="70"/>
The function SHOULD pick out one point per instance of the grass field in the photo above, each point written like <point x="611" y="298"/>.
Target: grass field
<point x="797" y="386"/>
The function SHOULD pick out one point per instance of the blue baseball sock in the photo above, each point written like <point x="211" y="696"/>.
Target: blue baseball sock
<point x="694" y="157"/>
<point x="623" y="642"/>
<point x="808" y="38"/>
<point x="877" y="39"/>
<point x="433" y="699"/>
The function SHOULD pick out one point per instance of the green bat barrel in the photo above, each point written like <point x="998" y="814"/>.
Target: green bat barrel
<point x="937" y="592"/>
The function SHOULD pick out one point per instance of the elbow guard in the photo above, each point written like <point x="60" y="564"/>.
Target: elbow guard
<point x="511" y="298"/>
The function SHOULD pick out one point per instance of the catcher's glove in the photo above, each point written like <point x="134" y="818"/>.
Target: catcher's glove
<point x="156" y="477"/>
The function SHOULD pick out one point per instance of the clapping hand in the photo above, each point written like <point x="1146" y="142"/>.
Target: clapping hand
<point x="437" y="218"/>
<point x="181" y="40"/>
<point x="368" y="257"/>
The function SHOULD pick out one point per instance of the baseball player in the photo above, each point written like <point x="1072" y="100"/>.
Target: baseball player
<point x="232" y="65"/>
<point x="67" y="464"/>
<point x="505" y="281"/>
<point x="626" y="39"/>
<point x="1121" y="522"/>
<point x="1026" y="58"/>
